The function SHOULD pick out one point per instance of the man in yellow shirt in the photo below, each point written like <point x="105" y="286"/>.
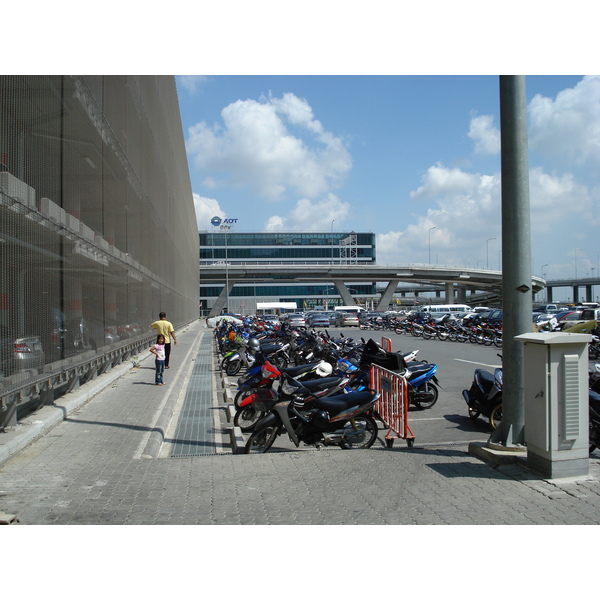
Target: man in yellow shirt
<point x="165" y="328"/>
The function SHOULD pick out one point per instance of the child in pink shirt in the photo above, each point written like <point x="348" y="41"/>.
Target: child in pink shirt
<point x="159" y="351"/>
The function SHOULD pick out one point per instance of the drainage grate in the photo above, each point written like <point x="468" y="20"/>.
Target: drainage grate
<point x="194" y="434"/>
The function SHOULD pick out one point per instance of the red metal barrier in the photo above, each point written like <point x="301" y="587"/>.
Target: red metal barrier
<point x="386" y="344"/>
<point x="392" y="406"/>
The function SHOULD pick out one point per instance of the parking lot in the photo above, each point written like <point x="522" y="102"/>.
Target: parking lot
<point x="446" y="423"/>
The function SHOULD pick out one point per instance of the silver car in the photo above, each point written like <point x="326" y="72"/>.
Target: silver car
<point x="350" y="320"/>
<point x="296" y="320"/>
<point x="28" y="354"/>
<point x="319" y="320"/>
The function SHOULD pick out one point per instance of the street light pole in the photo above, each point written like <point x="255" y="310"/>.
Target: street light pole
<point x="430" y="230"/>
<point x="332" y="222"/>
<point x="516" y="256"/>
<point x="487" y="253"/>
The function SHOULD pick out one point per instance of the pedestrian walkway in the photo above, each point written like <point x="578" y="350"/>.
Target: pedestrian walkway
<point x="137" y="453"/>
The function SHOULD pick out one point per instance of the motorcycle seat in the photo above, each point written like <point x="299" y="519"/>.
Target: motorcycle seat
<point x="417" y="369"/>
<point x="337" y="404"/>
<point x="269" y="348"/>
<point x="485" y="376"/>
<point x="324" y="383"/>
<point x="300" y="369"/>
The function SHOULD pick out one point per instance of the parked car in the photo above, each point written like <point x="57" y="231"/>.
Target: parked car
<point x="489" y="316"/>
<point x="20" y="354"/>
<point x="273" y="319"/>
<point x="547" y="308"/>
<point x="318" y="319"/>
<point x="350" y="320"/>
<point x="569" y="318"/>
<point x="590" y="314"/>
<point x="335" y="318"/>
<point x="296" y="320"/>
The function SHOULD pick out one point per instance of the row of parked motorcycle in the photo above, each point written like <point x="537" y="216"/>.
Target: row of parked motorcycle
<point x="446" y="328"/>
<point x="316" y="388"/>
<point x="313" y="387"/>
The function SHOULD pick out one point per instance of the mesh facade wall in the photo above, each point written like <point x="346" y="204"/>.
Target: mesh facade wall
<point x="98" y="231"/>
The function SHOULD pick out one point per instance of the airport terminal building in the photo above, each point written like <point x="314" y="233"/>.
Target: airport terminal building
<point x="222" y="246"/>
<point x="98" y="231"/>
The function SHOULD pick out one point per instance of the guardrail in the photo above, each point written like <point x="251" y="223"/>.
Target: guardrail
<point x="60" y="378"/>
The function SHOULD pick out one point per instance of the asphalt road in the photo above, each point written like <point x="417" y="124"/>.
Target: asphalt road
<point x="446" y="422"/>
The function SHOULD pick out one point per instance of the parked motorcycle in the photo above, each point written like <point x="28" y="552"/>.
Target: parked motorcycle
<point x="251" y="351"/>
<point x="343" y="421"/>
<point x="485" y="395"/>
<point x="245" y="356"/>
<point x="422" y="382"/>
<point x="594" y="408"/>
<point x="252" y="407"/>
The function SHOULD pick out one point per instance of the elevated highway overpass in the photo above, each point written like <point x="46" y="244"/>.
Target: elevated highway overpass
<point x="452" y="278"/>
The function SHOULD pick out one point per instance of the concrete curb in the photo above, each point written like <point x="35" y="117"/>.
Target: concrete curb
<point x="497" y="457"/>
<point x="237" y="440"/>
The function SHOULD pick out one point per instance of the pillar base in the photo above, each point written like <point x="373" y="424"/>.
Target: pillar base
<point x="556" y="469"/>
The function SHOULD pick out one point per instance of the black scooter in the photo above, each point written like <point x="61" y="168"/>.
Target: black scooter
<point x="485" y="395"/>
<point x="594" y="399"/>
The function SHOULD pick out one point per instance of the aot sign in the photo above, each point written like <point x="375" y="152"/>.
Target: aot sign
<point x="224" y="223"/>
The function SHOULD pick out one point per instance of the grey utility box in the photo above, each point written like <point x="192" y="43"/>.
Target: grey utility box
<point x="556" y="403"/>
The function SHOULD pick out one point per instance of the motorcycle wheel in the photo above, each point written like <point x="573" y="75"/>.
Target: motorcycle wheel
<point x="239" y="397"/>
<point x="233" y="367"/>
<point x="496" y="416"/>
<point x="247" y="417"/>
<point x="363" y="436"/>
<point x="442" y="335"/>
<point x="260" y="441"/>
<point x="399" y="330"/>
<point x="473" y="414"/>
<point x="279" y="361"/>
<point x="427" y="335"/>
<point x="462" y="338"/>
<point x="498" y="341"/>
<point x="431" y="396"/>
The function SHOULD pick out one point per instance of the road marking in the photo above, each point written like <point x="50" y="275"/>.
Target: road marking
<point x="478" y="363"/>
<point x="412" y="419"/>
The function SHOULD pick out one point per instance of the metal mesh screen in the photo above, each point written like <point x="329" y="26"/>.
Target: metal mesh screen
<point x="98" y="232"/>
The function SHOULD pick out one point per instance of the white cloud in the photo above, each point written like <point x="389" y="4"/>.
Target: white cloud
<point x="567" y="130"/>
<point x="485" y="135"/>
<point x="256" y="148"/>
<point x="464" y="208"/>
<point x="206" y="209"/>
<point x="553" y="200"/>
<point x="310" y="215"/>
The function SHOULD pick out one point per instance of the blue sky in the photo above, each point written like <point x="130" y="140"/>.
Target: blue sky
<point x="397" y="155"/>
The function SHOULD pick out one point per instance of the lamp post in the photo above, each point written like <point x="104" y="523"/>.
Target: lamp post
<point x="487" y="253"/>
<point x="544" y="276"/>
<point x="332" y="222"/>
<point x="430" y="230"/>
